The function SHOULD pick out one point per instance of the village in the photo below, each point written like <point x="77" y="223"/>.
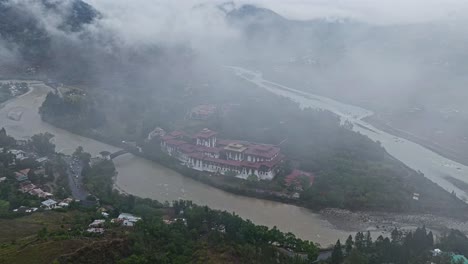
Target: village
<point x="37" y="178"/>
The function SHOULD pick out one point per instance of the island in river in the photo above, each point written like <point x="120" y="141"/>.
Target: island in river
<point x="147" y="179"/>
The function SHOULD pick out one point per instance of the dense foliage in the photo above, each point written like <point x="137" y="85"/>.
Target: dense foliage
<point x="352" y="171"/>
<point x="200" y="234"/>
<point x="411" y="248"/>
<point x="73" y="111"/>
<point x="207" y="236"/>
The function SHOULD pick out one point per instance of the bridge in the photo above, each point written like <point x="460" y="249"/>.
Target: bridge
<point x="118" y="153"/>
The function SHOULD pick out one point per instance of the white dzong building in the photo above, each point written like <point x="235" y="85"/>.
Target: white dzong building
<point x="204" y="152"/>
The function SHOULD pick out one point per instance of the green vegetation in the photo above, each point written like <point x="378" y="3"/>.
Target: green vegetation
<point x="410" y="248"/>
<point x="202" y="234"/>
<point x="74" y="111"/>
<point x="42" y="145"/>
<point x="53" y="176"/>
<point x="208" y="236"/>
<point x="352" y="171"/>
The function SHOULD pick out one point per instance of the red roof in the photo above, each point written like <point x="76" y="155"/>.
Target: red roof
<point x="295" y="174"/>
<point x="177" y="134"/>
<point x="167" y="137"/>
<point x="25" y="171"/>
<point x="205" y="133"/>
<point x="225" y="142"/>
<point x="175" y="142"/>
<point x="264" y="151"/>
<point x="253" y="149"/>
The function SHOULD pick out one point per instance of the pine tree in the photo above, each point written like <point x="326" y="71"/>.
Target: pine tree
<point x="368" y="240"/>
<point x="349" y="244"/>
<point x="356" y="257"/>
<point x="359" y="241"/>
<point x="396" y="236"/>
<point x="430" y="239"/>
<point x="337" y="254"/>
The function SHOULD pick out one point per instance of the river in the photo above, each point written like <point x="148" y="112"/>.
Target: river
<point x="147" y="179"/>
<point x="435" y="167"/>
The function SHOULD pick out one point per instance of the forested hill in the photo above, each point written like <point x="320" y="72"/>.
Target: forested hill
<point x="24" y="30"/>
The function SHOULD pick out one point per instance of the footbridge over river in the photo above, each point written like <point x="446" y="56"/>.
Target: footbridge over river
<point x="118" y="153"/>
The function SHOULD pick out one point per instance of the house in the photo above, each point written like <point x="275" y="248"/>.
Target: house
<point x="128" y="219"/>
<point x="202" y="112"/>
<point x="40" y="193"/>
<point x="19" y="154"/>
<point x="42" y="160"/>
<point x="95" y="230"/>
<point x="97" y="223"/>
<point x="21" y="177"/>
<point x="49" y="204"/>
<point x="66" y="202"/>
<point x="26" y="187"/>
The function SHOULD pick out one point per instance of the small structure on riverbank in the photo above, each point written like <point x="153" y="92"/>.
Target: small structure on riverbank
<point x="299" y="180"/>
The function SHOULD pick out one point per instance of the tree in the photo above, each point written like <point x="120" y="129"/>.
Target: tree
<point x="42" y="145"/>
<point x="349" y="244"/>
<point x="356" y="257"/>
<point x="368" y="240"/>
<point x="78" y="151"/>
<point x="430" y="239"/>
<point x="337" y="254"/>
<point x="396" y="236"/>
<point x="252" y="178"/>
<point x="359" y="241"/>
<point x="84" y="157"/>
<point x="5" y="140"/>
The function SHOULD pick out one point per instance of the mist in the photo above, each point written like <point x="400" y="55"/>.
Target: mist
<point x="319" y="117"/>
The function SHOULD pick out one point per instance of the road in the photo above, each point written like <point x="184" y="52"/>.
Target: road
<point x="75" y="180"/>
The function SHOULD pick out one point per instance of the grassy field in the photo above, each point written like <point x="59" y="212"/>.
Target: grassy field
<point x="19" y="242"/>
<point x="26" y="226"/>
<point x="39" y="251"/>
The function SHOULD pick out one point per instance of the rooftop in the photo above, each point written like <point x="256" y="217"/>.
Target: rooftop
<point x="175" y="142"/>
<point x="236" y="147"/>
<point x="264" y="151"/>
<point x="49" y="202"/>
<point x="205" y="134"/>
<point x="296" y="174"/>
<point x="129" y="217"/>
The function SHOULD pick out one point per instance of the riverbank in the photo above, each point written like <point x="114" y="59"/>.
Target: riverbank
<point x="437" y="148"/>
<point x="147" y="179"/>
<point x="377" y="222"/>
<point x="384" y="223"/>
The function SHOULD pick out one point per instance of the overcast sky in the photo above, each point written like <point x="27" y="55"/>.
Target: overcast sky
<point x="378" y="11"/>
